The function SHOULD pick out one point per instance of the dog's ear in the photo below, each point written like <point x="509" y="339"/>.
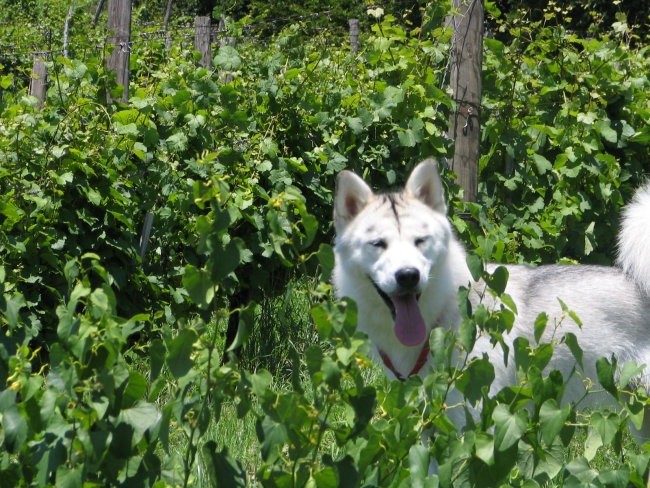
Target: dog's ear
<point x="351" y="197"/>
<point x="425" y="185"/>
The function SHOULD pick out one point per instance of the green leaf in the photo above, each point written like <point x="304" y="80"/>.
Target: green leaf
<point x="484" y="446"/>
<point x="326" y="261"/>
<point x="570" y="313"/>
<point x="467" y="333"/>
<point x="475" y="265"/>
<point x="604" y="128"/>
<point x="606" y="424"/>
<point x="543" y="165"/>
<point x="228" y="58"/>
<point x="629" y="370"/>
<point x="475" y="378"/>
<point x="6" y="81"/>
<point x="94" y="196"/>
<point x="102" y="302"/>
<point x="177" y="142"/>
<point x="508" y="427"/>
<point x="199" y="285"/>
<point x="179" y="357"/>
<point x="135" y="390"/>
<point x="156" y="357"/>
<point x="363" y="404"/>
<point x="616" y="478"/>
<point x="13" y="304"/>
<point x="260" y="382"/>
<point x="141" y="418"/>
<point x="355" y="124"/>
<point x="11" y="212"/>
<point x="244" y="326"/>
<point x="572" y="343"/>
<point x="14" y="425"/>
<point x="606" y="372"/>
<point x="540" y="326"/>
<point x="224" y="471"/>
<point x="418" y="465"/>
<point x="409" y="137"/>
<point x="273" y="436"/>
<point x="498" y="280"/>
<point x="552" y="418"/>
<point x="587" y="118"/>
<point x="126" y="129"/>
<point x="593" y="443"/>
<point x="326" y="478"/>
<point x="227" y="259"/>
<point x="579" y="467"/>
<point x="69" y="477"/>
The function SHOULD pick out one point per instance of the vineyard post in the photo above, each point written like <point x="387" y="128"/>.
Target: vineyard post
<point x="168" y="36"/>
<point x="98" y="12"/>
<point x="119" y="30"/>
<point x="38" y="81"/>
<point x="465" y="79"/>
<point x="66" y="31"/>
<point x="354" y="34"/>
<point x="202" y="39"/>
<point x="168" y="14"/>
<point x="145" y="234"/>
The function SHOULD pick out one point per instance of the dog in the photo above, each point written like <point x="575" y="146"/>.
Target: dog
<point x="397" y="257"/>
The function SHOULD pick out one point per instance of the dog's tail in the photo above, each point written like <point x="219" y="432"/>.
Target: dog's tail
<point x="634" y="239"/>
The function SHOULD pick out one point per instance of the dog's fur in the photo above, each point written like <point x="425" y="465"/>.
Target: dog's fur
<point x="397" y="257"/>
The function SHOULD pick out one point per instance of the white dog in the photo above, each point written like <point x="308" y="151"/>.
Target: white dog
<point x="399" y="260"/>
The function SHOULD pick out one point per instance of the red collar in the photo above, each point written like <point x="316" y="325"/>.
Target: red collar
<point x="419" y="364"/>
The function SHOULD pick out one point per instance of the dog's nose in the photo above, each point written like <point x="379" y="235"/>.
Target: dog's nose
<point x="407" y="277"/>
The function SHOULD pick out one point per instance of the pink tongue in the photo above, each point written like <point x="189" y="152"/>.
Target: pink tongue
<point x="409" y="323"/>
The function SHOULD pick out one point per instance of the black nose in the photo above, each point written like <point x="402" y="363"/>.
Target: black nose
<point x="407" y="277"/>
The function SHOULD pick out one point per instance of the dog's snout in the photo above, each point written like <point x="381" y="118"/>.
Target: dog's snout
<point x="407" y="278"/>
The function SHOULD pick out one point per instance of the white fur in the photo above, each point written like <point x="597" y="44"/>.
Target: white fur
<point x="633" y="239"/>
<point x="612" y="302"/>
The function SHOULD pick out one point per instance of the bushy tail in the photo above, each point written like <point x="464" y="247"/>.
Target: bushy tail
<point x="634" y="239"/>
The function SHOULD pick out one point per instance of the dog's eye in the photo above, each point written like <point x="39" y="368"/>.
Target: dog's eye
<point x="379" y="243"/>
<point x="420" y="240"/>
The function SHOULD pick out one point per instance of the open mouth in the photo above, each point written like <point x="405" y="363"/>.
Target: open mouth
<point x="410" y="328"/>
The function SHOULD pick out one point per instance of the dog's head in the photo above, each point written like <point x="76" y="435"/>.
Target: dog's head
<point x="394" y="240"/>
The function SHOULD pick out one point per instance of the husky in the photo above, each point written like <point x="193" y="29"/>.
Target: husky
<point x="397" y="257"/>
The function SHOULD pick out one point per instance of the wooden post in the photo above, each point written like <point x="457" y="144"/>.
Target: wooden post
<point x="354" y="34"/>
<point x="202" y="40"/>
<point x="38" y="81"/>
<point x="98" y="12"/>
<point x="119" y="31"/>
<point x="66" y="31"/>
<point x="168" y="14"/>
<point x="146" y="233"/>
<point x="465" y="80"/>
<point x="168" y="36"/>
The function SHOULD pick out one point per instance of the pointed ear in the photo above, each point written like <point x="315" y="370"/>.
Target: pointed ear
<point x="351" y="196"/>
<point x="425" y="185"/>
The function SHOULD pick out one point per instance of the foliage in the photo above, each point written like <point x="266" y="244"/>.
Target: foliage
<point x="111" y="355"/>
<point x="565" y="142"/>
<point x="583" y="17"/>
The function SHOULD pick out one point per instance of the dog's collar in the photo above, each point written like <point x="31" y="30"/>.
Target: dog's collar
<point x="419" y="364"/>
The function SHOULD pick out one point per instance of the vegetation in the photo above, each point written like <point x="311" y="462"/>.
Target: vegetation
<point x="112" y="361"/>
